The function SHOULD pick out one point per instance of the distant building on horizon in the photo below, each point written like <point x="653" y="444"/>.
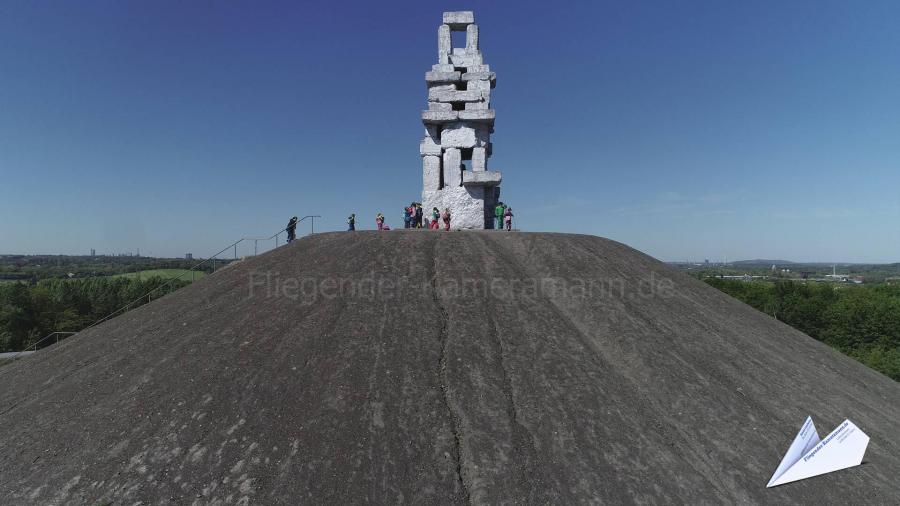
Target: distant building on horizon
<point x="188" y="256"/>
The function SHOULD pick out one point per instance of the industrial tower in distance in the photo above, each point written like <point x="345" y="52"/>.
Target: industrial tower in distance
<point x="458" y="126"/>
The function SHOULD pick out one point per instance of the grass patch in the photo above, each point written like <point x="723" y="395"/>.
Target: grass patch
<point x="185" y="274"/>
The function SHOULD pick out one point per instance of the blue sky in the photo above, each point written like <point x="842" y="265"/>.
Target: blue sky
<point x="688" y="130"/>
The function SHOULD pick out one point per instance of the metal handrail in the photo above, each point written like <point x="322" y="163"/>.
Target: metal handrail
<point x="52" y="334"/>
<point x="312" y="222"/>
<point x="149" y="294"/>
<point x="212" y="258"/>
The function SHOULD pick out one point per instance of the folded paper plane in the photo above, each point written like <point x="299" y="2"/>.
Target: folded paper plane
<point x="811" y="456"/>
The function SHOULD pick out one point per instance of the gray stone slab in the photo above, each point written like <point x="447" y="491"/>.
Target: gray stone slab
<point x="444" y="44"/>
<point x="472" y="39"/>
<point x="439" y="95"/>
<point x="479" y="68"/>
<point x="477" y="106"/>
<point x="458" y="135"/>
<point x="431" y="172"/>
<point x="451" y="166"/>
<point x="433" y="87"/>
<point x="479" y="159"/>
<point x="479" y="76"/>
<point x="458" y="20"/>
<point x="465" y="60"/>
<point x="442" y="77"/>
<point x="429" y="146"/>
<point x="466" y="204"/>
<point x="443" y="67"/>
<point x="486" y="116"/>
<point x="484" y="86"/>
<point x="440" y="106"/>
<point x="439" y="116"/>
<point x="481" y="178"/>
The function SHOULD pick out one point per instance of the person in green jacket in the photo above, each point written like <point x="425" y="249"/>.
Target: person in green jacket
<point x="435" y="219"/>
<point x="498" y="215"/>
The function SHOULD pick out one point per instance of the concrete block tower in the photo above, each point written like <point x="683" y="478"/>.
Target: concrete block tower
<point x="458" y="127"/>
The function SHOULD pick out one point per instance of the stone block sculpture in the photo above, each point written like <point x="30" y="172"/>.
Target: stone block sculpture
<point x="458" y="127"/>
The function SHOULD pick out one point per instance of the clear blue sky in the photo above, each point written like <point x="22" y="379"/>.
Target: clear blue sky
<point x="685" y="129"/>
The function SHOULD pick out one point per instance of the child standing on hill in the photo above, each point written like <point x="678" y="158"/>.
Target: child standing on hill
<point x="379" y="221"/>
<point x="507" y="218"/>
<point x="435" y="219"/>
<point x="446" y="218"/>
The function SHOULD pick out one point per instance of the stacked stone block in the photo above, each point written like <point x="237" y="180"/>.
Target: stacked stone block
<point x="458" y="126"/>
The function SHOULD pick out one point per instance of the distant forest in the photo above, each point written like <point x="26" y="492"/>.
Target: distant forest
<point x="31" y="311"/>
<point x="861" y="321"/>
<point x="41" y="294"/>
<point x="32" y="268"/>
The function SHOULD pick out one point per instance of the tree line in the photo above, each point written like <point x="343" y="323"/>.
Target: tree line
<point x="860" y="321"/>
<point x="32" y="268"/>
<point x="31" y="311"/>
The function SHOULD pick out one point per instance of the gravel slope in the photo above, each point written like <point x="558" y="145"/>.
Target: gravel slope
<point x="438" y="368"/>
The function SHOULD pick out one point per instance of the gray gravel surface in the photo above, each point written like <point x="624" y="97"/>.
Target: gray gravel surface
<point x="426" y="367"/>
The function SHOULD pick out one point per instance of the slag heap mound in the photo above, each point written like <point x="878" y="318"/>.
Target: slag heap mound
<point x="433" y="368"/>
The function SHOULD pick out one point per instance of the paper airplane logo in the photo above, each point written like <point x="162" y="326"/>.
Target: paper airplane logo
<point x="811" y="456"/>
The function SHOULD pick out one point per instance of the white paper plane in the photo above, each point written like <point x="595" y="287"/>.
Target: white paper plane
<point x="809" y="456"/>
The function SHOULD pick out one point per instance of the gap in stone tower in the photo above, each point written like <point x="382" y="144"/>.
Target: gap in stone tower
<point x="457" y="39"/>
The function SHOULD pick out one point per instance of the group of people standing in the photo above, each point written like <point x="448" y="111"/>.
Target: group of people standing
<point x="414" y="217"/>
<point x="503" y="216"/>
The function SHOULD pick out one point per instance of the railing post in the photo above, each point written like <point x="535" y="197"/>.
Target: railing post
<point x="235" y="251"/>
